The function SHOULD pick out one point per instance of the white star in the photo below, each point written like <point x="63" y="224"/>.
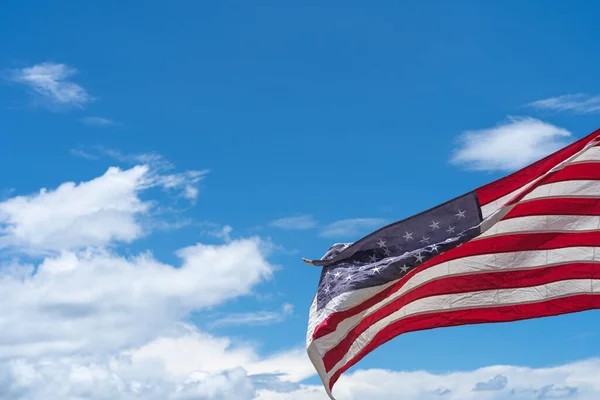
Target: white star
<point x="398" y="247"/>
<point x="424" y="240"/>
<point x="461" y="214"/>
<point x="408" y="236"/>
<point x="404" y="268"/>
<point x="372" y="258"/>
<point x="434" y="247"/>
<point x="349" y="277"/>
<point x="386" y="251"/>
<point x="381" y="243"/>
<point x="450" y="229"/>
<point x="327" y="289"/>
<point x="337" y="274"/>
<point x="419" y="257"/>
<point x="434" y="225"/>
<point x="376" y="270"/>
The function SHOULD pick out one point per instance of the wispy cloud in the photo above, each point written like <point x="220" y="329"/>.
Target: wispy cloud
<point x="50" y="85"/>
<point x="222" y="232"/>
<point x="300" y="222"/>
<point x="81" y="153"/>
<point x="255" y="318"/>
<point x="579" y="103"/>
<point x="508" y="146"/>
<point x="98" y="121"/>
<point x="351" y="227"/>
<point x="186" y="183"/>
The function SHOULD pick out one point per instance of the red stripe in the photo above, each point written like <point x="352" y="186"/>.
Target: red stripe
<point x="461" y="284"/>
<point x="495" y="244"/>
<point x="548" y="308"/>
<point x="556" y="206"/>
<point x="574" y="172"/>
<point x="501" y="187"/>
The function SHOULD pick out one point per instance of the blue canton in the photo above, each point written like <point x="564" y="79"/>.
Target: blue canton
<point x="391" y="252"/>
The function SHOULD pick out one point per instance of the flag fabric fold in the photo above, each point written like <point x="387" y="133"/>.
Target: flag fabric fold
<point x="524" y="246"/>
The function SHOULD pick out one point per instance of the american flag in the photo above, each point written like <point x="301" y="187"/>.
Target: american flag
<point x="524" y="246"/>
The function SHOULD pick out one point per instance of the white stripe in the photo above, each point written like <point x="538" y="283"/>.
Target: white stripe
<point x="339" y="303"/>
<point x="579" y="188"/>
<point x="480" y="299"/>
<point x="544" y="223"/>
<point x="467" y="265"/>
<point x="317" y="361"/>
<point x="312" y="321"/>
<point x="591" y="154"/>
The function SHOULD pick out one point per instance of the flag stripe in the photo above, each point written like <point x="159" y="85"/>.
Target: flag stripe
<point x="535" y="255"/>
<point x="471" y="265"/>
<point x="590" y="154"/>
<point x="497" y="189"/>
<point x="320" y="319"/>
<point x="501" y="244"/>
<point x="581" y="188"/>
<point x="496" y="205"/>
<point x="544" y="223"/>
<point x="556" y="206"/>
<point x="338" y="323"/>
<point x="584" y="171"/>
<point x="462" y="284"/>
<point x="579" y="171"/>
<point x="560" y="304"/>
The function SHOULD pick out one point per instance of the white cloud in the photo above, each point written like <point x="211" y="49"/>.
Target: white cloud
<point x="93" y="213"/>
<point x="187" y="364"/>
<point x="579" y="380"/>
<point x="116" y="378"/>
<point x="577" y="103"/>
<point x="254" y="318"/>
<point x="183" y="354"/>
<point x="88" y="322"/>
<point x="351" y="228"/>
<point x="84" y="321"/>
<point x="498" y="382"/>
<point x="167" y="370"/>
<point x="192" y="365"/>
<point x="95" y="300"/>
<point x="300" y="222"/>
<point x="48" y="81"/>
<point x="508" y="146"/>
<point x="97" y="121"/>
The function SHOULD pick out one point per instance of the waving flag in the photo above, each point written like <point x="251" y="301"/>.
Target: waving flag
<point x="525" y="246"/>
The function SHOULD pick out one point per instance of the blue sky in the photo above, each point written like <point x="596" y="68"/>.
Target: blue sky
<point x="264" y="132"/>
